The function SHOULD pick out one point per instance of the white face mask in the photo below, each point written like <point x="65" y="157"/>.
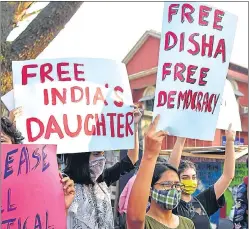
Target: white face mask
<point x="97" y="166"/>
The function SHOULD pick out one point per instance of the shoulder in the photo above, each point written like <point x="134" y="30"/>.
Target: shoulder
<point x="185" y="222"/>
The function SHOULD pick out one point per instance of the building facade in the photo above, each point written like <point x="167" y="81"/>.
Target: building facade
<point x="141" y="63"/>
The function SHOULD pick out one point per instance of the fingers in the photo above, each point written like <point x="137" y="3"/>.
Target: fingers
<point x="161" y="134"/>
<point x="230" y="127"/>
<point x="154" y="124"/>
<point x="67" y="183"/>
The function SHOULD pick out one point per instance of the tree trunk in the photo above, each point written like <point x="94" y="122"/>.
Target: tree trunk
<point x="35" y="38"/>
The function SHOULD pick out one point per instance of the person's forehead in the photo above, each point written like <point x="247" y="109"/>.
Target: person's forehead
<point x="169" y="175"/>
<point x="189" y="172"/>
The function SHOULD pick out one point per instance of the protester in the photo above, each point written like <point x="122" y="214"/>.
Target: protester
<point x="240" y="218"/>
<point x="162" y="183"/>
<point x="91" y="208"/>
<point x="10" y="135"/>
<point x="124" y="196"/>
<point x="205" y="204"/>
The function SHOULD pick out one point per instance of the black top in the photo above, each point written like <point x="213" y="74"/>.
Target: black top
<point x="113" y="173"/>
<point x="200" y="208"/>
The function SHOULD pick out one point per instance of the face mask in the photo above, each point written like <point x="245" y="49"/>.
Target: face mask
<point x="97" y="167"/>
<point x="166" y="199"/>
<point x="190" y="186"/>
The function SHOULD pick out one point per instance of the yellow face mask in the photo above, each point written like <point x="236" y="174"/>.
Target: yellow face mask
<point x="189" y="186"/>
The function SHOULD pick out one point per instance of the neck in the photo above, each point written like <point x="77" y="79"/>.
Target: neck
<point x="186" y="197"/>
<point x="162" y="216"/>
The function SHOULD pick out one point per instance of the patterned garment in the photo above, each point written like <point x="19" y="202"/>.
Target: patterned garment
<point x="91" y="208"/>
<point x="241" y="209"/>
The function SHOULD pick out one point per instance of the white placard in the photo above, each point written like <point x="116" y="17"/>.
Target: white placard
<point x="195" y="49"/>
<point x="8" y="100"/>
<point x="80" y="104"/>
<point x="229" y="110"/>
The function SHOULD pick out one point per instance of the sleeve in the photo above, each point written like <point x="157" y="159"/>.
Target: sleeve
<point x="208" y="200"/>
<point x="241" y="204"/>
<point x="113" y="173"/>
<point x="122" y="198"/>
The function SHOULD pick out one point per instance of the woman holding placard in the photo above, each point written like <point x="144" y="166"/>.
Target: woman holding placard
<point x="161" y="183"/>
<point x="206" y="203"/>
<point x="91" y="208"/>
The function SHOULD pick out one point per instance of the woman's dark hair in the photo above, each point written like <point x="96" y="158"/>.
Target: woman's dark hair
<point x="160" y="168"/>
<point x="185" y="164"/>
<point x="77" y="168"/>
<point x="8" y="128"/>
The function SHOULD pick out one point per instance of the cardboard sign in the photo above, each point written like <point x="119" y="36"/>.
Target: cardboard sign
<point x="80" y="104"/>
<point x="32" y="194"/>
<point x="8" y="100"/>
<point x="195" y="50"/>
<point x="229" y="110"/>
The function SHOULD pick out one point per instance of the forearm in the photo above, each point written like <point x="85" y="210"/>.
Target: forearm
<point x="228" y="171"/>
<point x="229" y="164"/>
<point x="140" y="193"/>
<point x="133" y="153"/>
<point x="175" y="156"/>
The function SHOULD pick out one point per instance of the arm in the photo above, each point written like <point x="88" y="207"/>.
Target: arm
<point x="229" y="165"/>
<point x="175" y="156"/>
<point x="141" y="187"/>
<point x="133" y="153"/>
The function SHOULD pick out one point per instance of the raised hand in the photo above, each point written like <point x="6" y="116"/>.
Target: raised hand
<point x="230" y="134"/>
<point x="153" y="140"/>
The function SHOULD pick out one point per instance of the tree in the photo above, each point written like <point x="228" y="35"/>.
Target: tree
<point x="35" y="38"/>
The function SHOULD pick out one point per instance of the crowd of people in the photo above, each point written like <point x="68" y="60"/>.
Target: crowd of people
<point x="158" y="196"/>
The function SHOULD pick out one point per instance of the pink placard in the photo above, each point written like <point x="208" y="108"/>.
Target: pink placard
<point x="32" y="194"/>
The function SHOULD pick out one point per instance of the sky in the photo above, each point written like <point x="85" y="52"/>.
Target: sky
<point x="111" y="29"/>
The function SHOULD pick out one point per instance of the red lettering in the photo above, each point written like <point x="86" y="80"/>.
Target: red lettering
<point x="128" y="124"/>
<point x="56" y="94"/>
<point x="187" y="15"/>
<point x="178" y="72"/>
<point x="165" y="71"/>
<point x="221" y="49"/>
<point x="61" y="72"/>
<point x="53" y="128"/>
<point x="172" y="11"/>
<point x="32" y="138"/>
<point x="203" y="75"/>
<point x="193" y="99"/>
<point x="208" y="45"/>
<point x="204" y="14"/>
<point x="100" y="125"/>
<point x="87" y="95"/>
<point x="26" y="75"/>
<point x="77" y="72"/>
<point x="205" y="102"/>
<point x="171" y="99"/>
<point x="99" y="96"/>
<point x="86" y="126"/>
<point x="162" y="98"/>
<point x="167" y="45"/>
<point x="45" y="97"/>
<point x="45" y="70"/>
<point x="218" y="15"/>
<point x="120" y="126"/>
<point x="182" y="38"/>
<point x="195" y="43"/>
<point x="66" y="126"/>
<point x="73" y="96"/>
<point x="111" y="115"/>
<point x="199" y="99"/>
<point x="190" y="72"/>
<point x="216" y="98"/>
<point x="119" y="102"/>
